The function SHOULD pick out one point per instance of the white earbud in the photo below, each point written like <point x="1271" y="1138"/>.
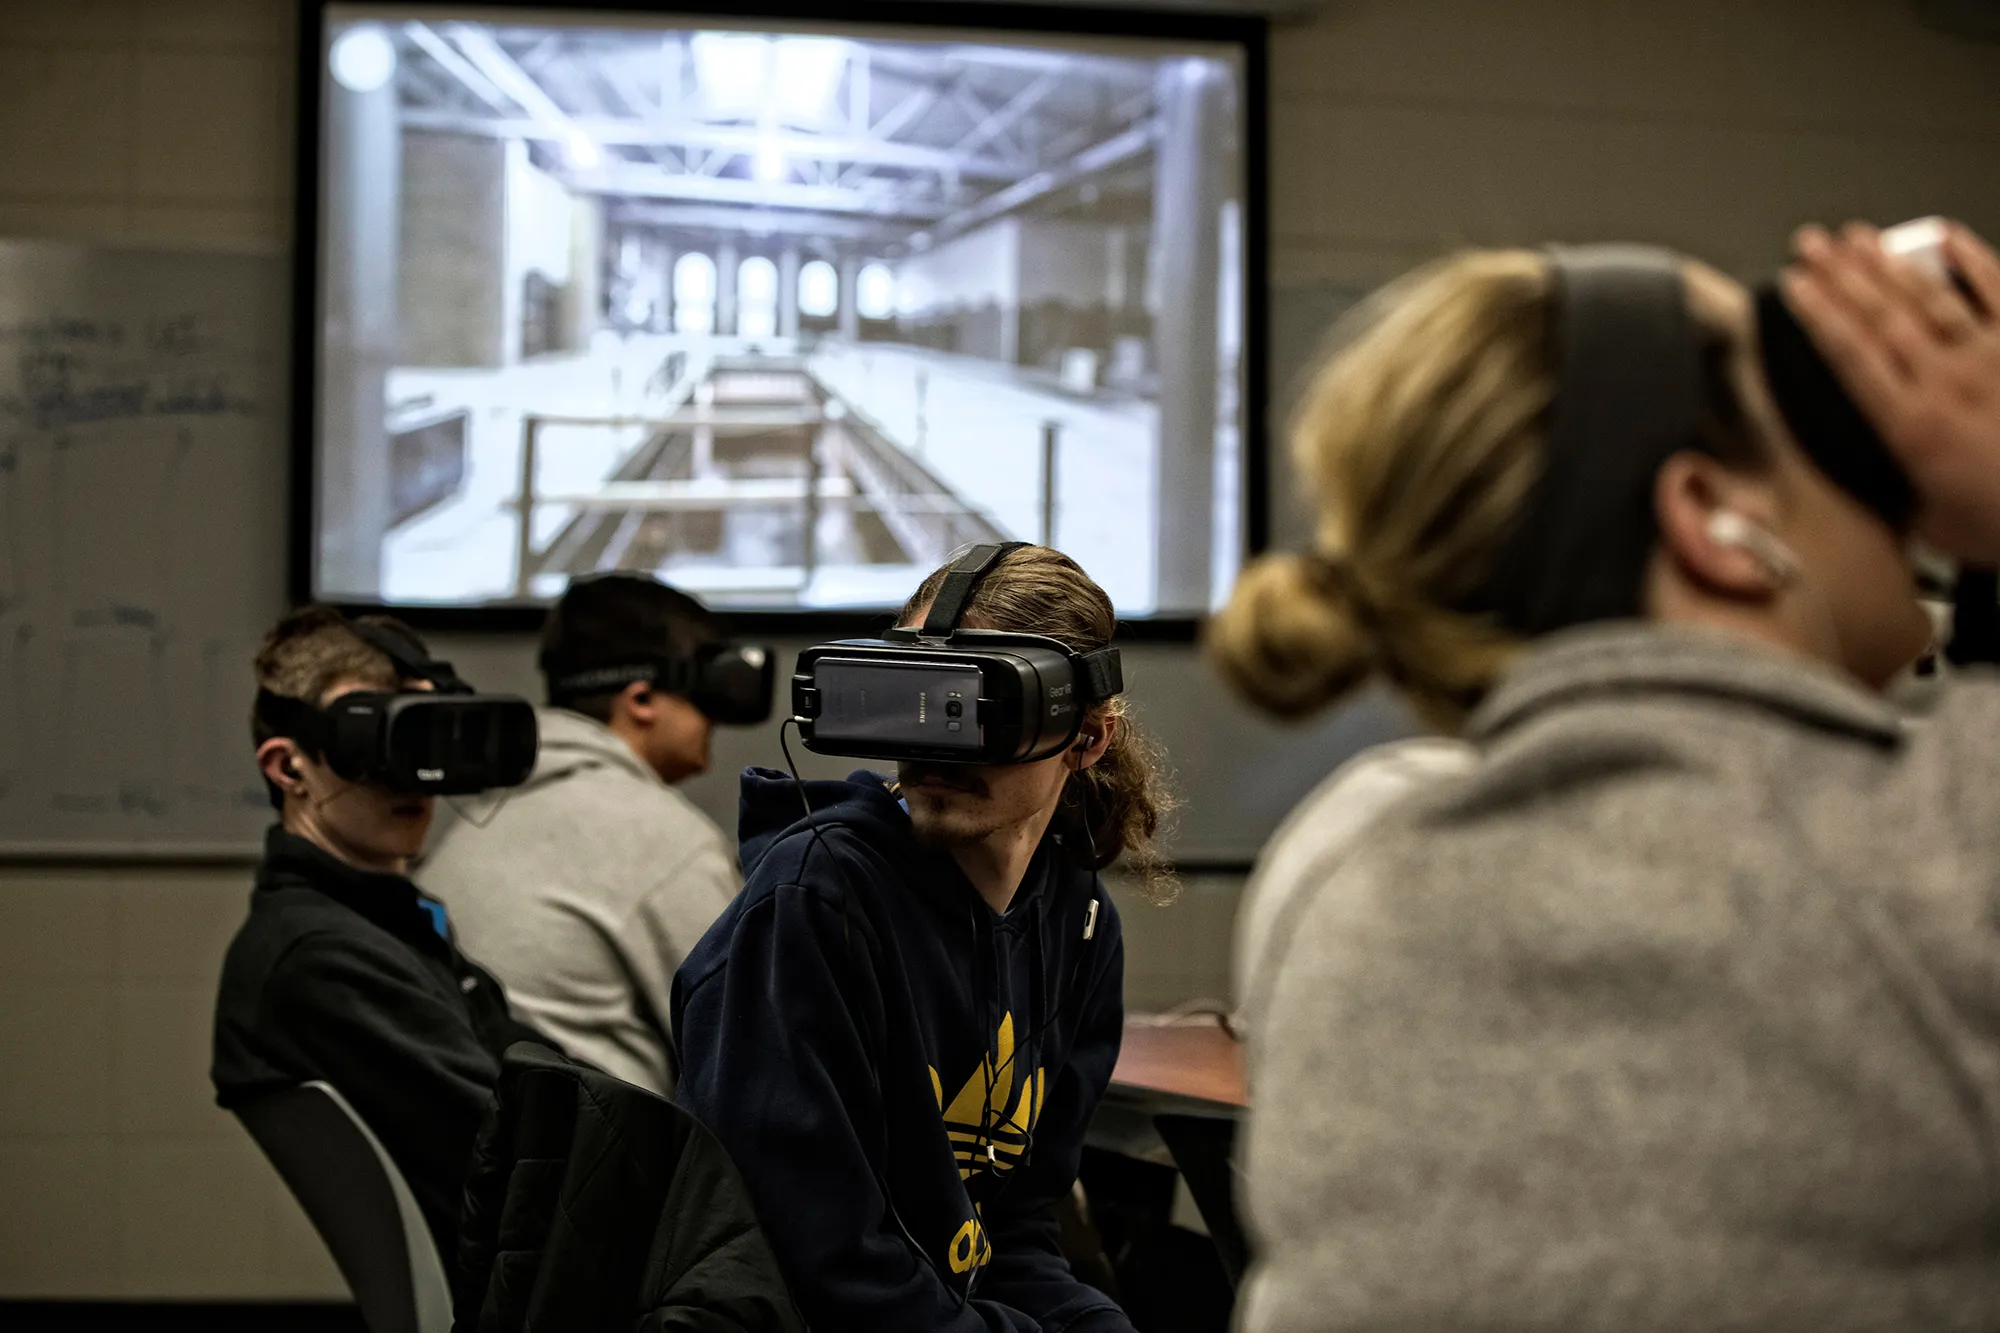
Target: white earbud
<point x="1726" y="527"/>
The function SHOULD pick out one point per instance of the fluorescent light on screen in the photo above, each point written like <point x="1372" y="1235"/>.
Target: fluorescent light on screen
<point x="362" y="59"/>
<point x="733" y="69"/>
<point x="769" y="163"/>
<point x="806" y="71"/>
<point x="582" y="150"/>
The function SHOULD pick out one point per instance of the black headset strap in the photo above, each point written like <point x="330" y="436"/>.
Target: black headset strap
<point x="308" y="724"/>
<point x="949" y="606"/>
<point x="295" y="720"/>
<point x="1101" y="675"/>
<point x="409" y="658"/>
<point x="1628" y="396"/>
<point x="675" y="675"/>
<point x="1834" y="433"/>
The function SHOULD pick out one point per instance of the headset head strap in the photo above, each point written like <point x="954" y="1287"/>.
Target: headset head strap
<point x="948" y="608"/>
<point x="1628" y="396"/>
<point x="409" y="657"/>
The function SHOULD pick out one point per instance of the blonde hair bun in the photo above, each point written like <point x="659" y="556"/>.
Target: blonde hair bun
<point x="1291" y="638"/>
<point x="1418" y="439"/>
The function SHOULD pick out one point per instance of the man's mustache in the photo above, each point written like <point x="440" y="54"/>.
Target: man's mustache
<point x="915" y="775"/>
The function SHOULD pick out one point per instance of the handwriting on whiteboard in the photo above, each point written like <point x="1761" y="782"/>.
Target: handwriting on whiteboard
<point x="142" y="529"/>
<point x="73" y="372"/>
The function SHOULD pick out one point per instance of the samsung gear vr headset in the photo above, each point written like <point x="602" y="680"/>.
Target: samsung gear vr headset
<point x="445" y="741"/>
<point x="949" y="695"/>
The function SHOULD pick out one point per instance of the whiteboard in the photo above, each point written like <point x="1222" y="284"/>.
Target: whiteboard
<point x="142" y="544"/>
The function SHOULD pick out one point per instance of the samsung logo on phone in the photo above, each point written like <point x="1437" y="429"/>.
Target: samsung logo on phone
<point x="430" y="775"/>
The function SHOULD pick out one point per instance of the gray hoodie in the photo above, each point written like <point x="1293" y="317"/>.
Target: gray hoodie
<point x="584" y="892"/>
<point x="1679" y="1010"/>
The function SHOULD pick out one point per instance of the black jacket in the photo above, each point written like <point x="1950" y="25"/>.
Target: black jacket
<point x="904" y="1075"/>
<point x="351" y="977"/>
<point x="598" y="1207"/>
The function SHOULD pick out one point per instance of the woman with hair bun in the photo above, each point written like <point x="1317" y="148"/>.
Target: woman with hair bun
<point x="1665" y="991"/>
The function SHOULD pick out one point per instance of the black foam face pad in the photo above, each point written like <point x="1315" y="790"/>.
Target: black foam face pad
<point x="1831" y="430"/>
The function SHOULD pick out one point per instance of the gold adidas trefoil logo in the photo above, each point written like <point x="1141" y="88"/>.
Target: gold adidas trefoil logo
<point x="988" y="1134"/>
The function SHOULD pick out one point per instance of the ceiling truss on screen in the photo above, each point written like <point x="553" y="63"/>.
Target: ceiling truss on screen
<point x="896" y="145"/>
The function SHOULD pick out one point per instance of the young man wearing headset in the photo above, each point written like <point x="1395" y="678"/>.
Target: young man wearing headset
<point x="343" y="971"/>
<point x="591" y="882"/>
<point x="901" y="1028"/>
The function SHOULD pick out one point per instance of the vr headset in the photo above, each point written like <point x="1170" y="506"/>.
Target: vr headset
<point x="732" y="684"/>
<point x="950" y="695"/>
<point x="1845" y="445"/>
<point x="447" y="741"/>
<point x="1824" y="420"/>
<point x="1827" y="424"/>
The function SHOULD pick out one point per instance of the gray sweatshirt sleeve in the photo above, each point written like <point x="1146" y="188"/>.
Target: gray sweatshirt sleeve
<point x="665" y="924"/>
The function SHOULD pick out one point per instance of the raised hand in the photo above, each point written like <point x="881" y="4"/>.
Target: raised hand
<point x="1922" y="359"/>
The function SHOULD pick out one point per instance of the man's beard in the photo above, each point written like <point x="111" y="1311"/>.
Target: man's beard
<point x="959" y="813"/>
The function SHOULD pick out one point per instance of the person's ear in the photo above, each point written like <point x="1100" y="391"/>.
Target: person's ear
<point x="637" y="702"/>
<point x="1090" y="744"/>
<point x="1715" y="526"/>
<point x="278" y="759"/>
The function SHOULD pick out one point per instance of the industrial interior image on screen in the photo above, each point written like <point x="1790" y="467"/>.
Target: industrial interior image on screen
<point x="783" y="317"/>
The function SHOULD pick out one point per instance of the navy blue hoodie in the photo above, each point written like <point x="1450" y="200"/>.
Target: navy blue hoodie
<point x="903" y="1076"/>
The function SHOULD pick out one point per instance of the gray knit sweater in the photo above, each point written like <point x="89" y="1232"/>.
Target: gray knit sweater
<point x="1680" y="1010"/>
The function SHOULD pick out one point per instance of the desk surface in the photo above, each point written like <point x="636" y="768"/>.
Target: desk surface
<point x="1193" y="1058"/>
